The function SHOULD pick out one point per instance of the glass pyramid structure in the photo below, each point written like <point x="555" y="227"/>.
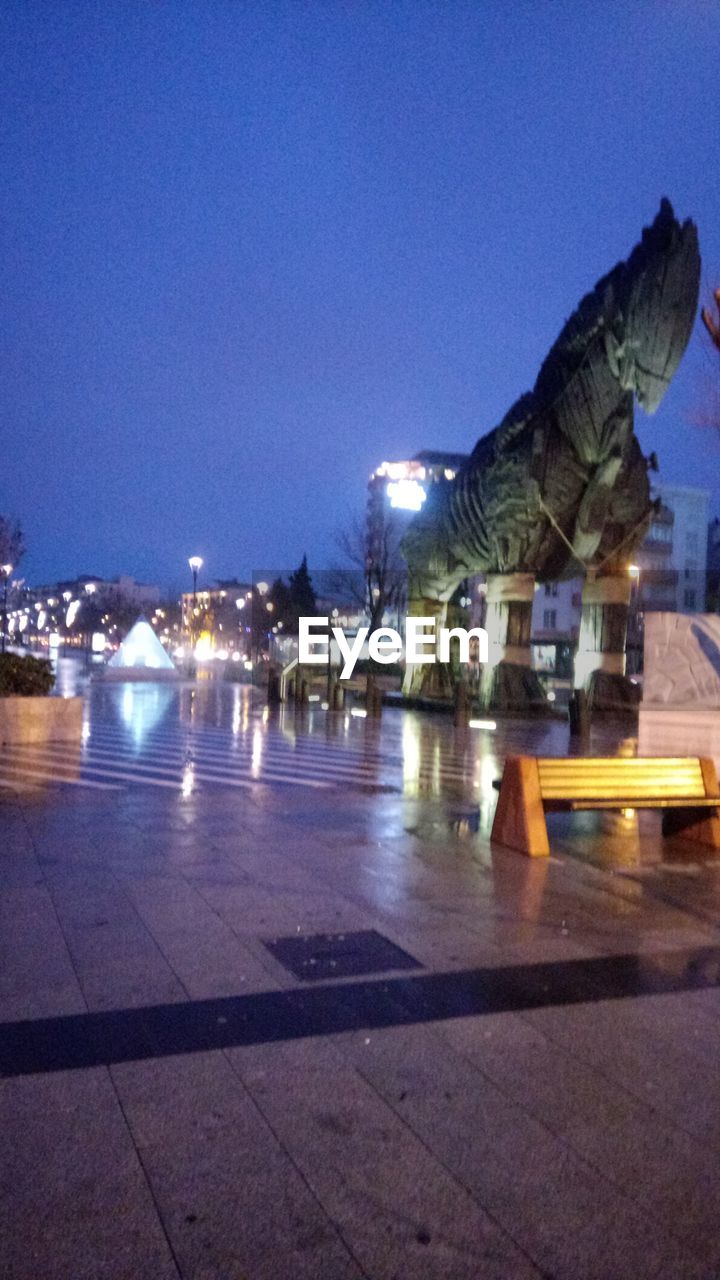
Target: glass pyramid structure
<point x="141" y="648"/>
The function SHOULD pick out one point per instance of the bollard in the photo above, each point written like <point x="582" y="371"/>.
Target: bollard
<point x="579" y="714"/>
<point x="304" y="692"/>
<point x="373" y="699"/>
<point x="291" y="689"/>
<point x="462" y="709"/>
<point x="273" y="690"/>
<point x="369" y="691"/>
<point x="338" y="699"/>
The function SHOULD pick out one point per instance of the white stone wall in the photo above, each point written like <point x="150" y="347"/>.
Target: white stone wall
<point x="682" y="659"/>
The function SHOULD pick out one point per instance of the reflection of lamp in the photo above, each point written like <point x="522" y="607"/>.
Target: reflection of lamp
<point x="5" y="570"/>
<point x="635" y="617"/>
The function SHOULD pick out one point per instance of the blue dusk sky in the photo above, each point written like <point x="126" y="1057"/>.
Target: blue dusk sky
<point x="253" y="249"/>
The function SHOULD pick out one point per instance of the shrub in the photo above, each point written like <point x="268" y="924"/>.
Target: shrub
<point x="24" y="677"/>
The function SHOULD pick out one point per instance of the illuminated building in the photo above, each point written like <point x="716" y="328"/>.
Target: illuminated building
<point x="402" y="487"/>
<point x="223" y="610"/>
<point x="37" y="613"/>
<point x="671" y="575"/>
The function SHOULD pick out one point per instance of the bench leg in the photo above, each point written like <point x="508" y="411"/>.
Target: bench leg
<point x="520" y="818"/>
<point x="700" y="825"/>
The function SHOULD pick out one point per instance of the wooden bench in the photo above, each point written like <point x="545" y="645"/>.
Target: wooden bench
<point x="686" y="789"/>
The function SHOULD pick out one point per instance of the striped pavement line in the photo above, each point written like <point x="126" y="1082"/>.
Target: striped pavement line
<point x="165" y="758"/>
<point x="272" y="764"/>
<point x="238" y="753"/>
<point x="166" y="774"/>
<point x="281" y="756"/>
<point x="292" y="740"/>
<point x="24" y="772"/>
<point x="168" y="761"/>
<point x="335" y="756"/>
<point x="281" y="766"/>
<point x="170" y="775"/>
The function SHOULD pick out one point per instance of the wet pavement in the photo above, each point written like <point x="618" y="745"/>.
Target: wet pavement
<point x="272" y="1006"/>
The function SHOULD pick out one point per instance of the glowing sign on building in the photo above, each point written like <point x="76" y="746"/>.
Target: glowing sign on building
<point x="406" y="495"/>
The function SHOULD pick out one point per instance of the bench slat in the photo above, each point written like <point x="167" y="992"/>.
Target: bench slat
<point x="620" y="778"/>
<point x="644" y="802"/>
<point x="635" y="775"/>
<point x="599" y="787"/>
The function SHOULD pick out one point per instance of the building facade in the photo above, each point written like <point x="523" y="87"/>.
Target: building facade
<point x="669" y="572"/>
<point x="400" y="489"/>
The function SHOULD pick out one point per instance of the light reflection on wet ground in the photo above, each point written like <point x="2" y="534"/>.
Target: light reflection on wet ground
<point x="428" y="778"/>
<point x="417" y="753"/>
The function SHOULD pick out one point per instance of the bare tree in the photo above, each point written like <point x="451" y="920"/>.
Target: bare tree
<point x="12" y="543"/>
<point x="377" y="581"/>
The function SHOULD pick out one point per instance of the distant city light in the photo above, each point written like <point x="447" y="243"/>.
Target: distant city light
<point x="54" y="640"/>
<point x="482" y="724"/>
<point x="71" y="612"/>
<point x="98" y="642"/>
<point x="402" y="470"/>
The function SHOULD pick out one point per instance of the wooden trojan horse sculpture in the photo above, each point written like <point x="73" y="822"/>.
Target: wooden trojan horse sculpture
<point x="559" y="489"/>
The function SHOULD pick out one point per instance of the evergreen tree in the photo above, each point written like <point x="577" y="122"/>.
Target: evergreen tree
<point x="302" y="594"/>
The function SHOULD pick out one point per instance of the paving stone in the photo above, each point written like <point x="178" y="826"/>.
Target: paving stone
<point x="74" y="1202"/>
<point x="232" y="1201"/>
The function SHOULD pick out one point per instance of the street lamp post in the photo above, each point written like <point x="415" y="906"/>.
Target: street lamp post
<point x="6" y="570"/>
<point x="196" y="565"/>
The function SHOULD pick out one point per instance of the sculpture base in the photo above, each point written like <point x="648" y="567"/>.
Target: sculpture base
<point x="612" y="692"/>
<point x="679" y="729"/>
<point x="515" y="688"/>
<point x="429" y="680"/>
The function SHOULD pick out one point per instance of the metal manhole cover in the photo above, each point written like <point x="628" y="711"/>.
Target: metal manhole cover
<point x="311" y="957"/>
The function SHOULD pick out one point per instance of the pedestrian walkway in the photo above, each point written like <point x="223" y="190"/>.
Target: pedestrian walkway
<point x="273" y="1008"/>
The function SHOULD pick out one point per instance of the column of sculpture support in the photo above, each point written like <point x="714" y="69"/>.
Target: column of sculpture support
<point x="429" y="680"/>
<point x="600" y="657"/>
<point x="508" y="681"/>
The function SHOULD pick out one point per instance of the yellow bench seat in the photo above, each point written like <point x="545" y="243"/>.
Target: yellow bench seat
<point x="682" y="787"/>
